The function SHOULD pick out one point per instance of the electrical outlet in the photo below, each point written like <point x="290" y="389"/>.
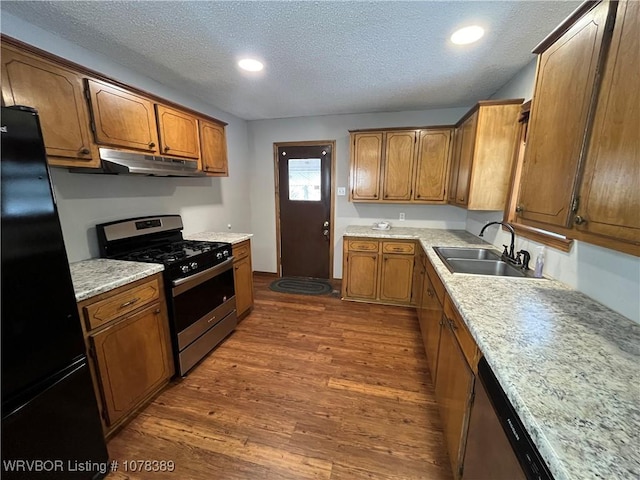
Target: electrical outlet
<point x="342" y="191"/>
<point x="402" y="216"/>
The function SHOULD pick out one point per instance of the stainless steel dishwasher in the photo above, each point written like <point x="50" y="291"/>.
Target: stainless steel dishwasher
<point x="498" y="445"/>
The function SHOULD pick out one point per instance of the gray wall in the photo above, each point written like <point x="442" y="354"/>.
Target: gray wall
<point x="610" y="277"/>
<point x="84" y="200"/>
<point x="264" y="133"/>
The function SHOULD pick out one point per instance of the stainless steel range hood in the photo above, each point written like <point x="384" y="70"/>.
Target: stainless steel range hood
<point x="127" y="163"/>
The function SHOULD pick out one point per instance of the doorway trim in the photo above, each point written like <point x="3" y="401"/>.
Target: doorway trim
<point x="276" y="164"/>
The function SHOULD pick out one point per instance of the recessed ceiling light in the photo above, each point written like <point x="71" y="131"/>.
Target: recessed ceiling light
<point x="467" y="35"/>
<point x="250" y="64"/>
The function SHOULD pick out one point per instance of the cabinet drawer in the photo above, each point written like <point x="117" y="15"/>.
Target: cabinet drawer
<point x="111" y="308"/>
<point x="363" y="245"/>
<point x="465" y="340"/>
<point x="435" y="279"/>
<point x="398" y="247"/>
<point x="241" y="250"/>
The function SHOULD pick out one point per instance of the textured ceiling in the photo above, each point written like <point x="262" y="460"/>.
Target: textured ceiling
<point x="321" y="57"/>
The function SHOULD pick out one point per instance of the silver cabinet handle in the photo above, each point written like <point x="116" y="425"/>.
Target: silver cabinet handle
<point x="130" y="302"/>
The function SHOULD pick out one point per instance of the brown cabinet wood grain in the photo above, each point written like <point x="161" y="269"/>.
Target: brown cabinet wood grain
<point x="432" y="165"/>
<point x="213" y="149"/>
<point x="243" y="277"/>
<point x="122" y="118"/>
<point x="453" y="387"/>
<point x="178" y="133"/>
<point x="361" y="279"/>
<point x="430" y="317"/>
<point x="609" y="199"/>
<point x="455" y="165"/>
<point x="133" y="360"/>
<point x="379" y="271"/>
<point x="57" y="94"/>
<point x="486" y="141"/>
<point x="400" y="165"/>
<point x="562" y="102"/>
<point x="126" y="332"/>
<point x="366" y="162"/>
<point x="399" y="158"/>
<point x="396" y="278"/>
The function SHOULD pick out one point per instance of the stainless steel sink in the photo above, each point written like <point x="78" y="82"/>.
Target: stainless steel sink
<point x="464" y="252"/>
<point x="483" y="267"/>
<point x="477" y="261"/>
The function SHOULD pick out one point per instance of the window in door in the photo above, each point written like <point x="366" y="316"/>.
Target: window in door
<point x="305" y="179"/>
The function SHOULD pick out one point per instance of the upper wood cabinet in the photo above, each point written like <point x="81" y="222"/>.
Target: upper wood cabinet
<point x="486" y="140"/>
<point x="366" y="162"/>
<point x="121" y="118"/>
<point x="213" y="149"/>
<point x="609" y="197"/>
<point x="57" y="94"/>
<point x="399" y="157"/>
<point x="432" y="165"/>
<point x="178" y="133"/>
<point x="562" y="101"/>
<point x="400" y="166"/>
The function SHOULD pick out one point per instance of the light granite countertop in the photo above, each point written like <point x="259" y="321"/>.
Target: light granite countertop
<point x="569" y="365"/>
<point x="99" y="275"/>
<point x="229" y="237"/>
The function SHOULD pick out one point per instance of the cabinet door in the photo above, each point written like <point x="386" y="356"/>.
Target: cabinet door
<point x="362" y="275"/>
<point x="610" y="196"/>
<point x="133" y="359"/>
<point x="213" y="148"/>
<point x="432" y="164"/>
<point x="467" y="148"/>
<point x="366" y="161"/>
<point x="430" y="324"/>
<point x="122" y="119"/>
<point x="396" y="275"/>
<point x="455" y="165"/>
<point x="559" y="114"/>
<point x="454" y="386"/>
<point x="398" y="165"/>
<point x="243" y="280"/>
<point x="178" y="133"/>
<point x="57" y="94"/>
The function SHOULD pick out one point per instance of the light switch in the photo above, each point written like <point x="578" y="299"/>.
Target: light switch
<point x="342" y="191"/>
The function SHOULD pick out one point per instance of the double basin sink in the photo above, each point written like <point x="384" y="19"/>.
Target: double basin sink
<point x="478" y="261"/>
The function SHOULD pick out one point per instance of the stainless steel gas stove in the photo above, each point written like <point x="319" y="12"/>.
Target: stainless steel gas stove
<point x="198" y="279"/>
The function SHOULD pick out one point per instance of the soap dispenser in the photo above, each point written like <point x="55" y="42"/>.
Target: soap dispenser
<point x="539" y="263"/>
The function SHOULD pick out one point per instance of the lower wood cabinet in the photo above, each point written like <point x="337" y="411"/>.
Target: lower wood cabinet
<point x="130" y="353"/>
<point x="379" y="271"/>
<point x="452" y="357"/>
<point x="243" y="277"/>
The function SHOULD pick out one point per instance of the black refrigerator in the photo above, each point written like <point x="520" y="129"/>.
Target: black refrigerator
<point x="50" y="421"/>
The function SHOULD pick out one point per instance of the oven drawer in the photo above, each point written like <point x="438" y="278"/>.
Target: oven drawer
<point x="104" y="311"/>
<point x="193" y="331"/>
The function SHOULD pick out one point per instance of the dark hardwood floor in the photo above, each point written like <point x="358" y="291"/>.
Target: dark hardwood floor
<point x="306" y="387"/>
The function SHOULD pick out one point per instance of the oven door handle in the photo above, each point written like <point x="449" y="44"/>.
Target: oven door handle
<point x="201" y="277"/>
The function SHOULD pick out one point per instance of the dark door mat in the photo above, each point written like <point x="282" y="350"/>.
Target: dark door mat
<point x="302" y="286"/>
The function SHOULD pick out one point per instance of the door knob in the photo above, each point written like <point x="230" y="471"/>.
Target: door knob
<point x="325" y="224"/>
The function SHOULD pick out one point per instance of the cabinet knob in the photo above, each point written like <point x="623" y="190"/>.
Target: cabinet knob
<point x="519" y="209"/>
<point x="156" y="311"/>
<point x="579" y="220"/>
<point x="85" y="151"/>
<point x="152" y="145"/>
<point x="461" y="199"/>
<point x="429" y="292"/>
<point x="166" y="149"/>
<point x="418" y="196"/>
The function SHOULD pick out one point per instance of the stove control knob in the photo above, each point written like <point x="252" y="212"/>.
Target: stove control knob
<point x="193" y="265"/>
<point x="226" y="253"/>
<point x="184" y="269"/>
<point x="218" y="255"/>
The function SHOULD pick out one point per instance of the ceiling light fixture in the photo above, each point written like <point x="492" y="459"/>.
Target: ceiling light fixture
<point x="467" y="35"/>
<point x="250" y="65"/>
